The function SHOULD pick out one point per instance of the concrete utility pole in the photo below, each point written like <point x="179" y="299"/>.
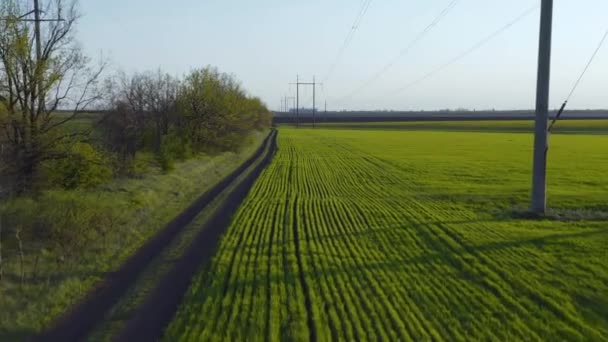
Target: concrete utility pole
<point x="285" y="103"/>
<point x="541" y="134"/>
<point x="314" y="99"/>
<point x="38" y="41"/>
<point x="287" y="99"/>
<point x="297" y="101"/>
<point x="37" y="34"/>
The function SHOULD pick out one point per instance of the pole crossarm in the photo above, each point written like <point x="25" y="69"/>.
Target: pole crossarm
<point x="22" y="18"/>
<point x="33" y="20"/>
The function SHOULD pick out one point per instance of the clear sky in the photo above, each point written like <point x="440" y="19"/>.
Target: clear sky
<point x="266" y="43"/>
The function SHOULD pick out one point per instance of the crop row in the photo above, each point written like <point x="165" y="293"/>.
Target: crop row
<point x="337" y="243"/>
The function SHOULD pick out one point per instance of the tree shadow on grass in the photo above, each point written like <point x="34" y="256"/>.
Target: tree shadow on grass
<point x="54" y="278"/>
<point x="593" y="213"/>
<point x="395" y="264"/>
<point x="371" y="230"/>
<point x="464" y="263"/>
<point x="16" y="335"/>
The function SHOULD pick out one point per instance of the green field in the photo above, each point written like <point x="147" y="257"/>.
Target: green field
<point x="515" y="126"/>
<point x="406" y="234"/>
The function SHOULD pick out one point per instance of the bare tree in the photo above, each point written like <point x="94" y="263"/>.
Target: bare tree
<point x="161" y="102"/>
<point x="34" y="86"/>
<point x="139" y="105"/>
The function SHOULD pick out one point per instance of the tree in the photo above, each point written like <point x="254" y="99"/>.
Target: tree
<point x="215" y="112"/>
<point x="155" y="112"/>
<point x="161" y="102"/>
<point x="141" y="108"/>
<point x="35" y="85"/>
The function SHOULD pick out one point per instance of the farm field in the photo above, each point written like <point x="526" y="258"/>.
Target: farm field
<point x="522" y="126"/>
<point x="397" y="234"/>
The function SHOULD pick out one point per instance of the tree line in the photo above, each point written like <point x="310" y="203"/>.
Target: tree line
<point x="204" y="112"/>
<point x="68" y="126"/>
<point x="147" y="116"/>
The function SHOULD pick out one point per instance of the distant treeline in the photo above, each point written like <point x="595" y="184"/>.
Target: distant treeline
<point x="443" y="115"/>
<point x="207" y="111"/>
<point x="148" y="117"/>
<point x="157" y="115"/>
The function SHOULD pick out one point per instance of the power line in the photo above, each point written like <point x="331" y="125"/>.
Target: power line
<point x="578" y="81"/>
<point x="310" y="98"/>
<point x="349" y="37"/>
<point x="467" y="52"/>
<point x="404" y="51"/>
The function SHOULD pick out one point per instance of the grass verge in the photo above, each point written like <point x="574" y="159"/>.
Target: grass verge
<point x="130" y="303"/>
<point x="43" y="281"/>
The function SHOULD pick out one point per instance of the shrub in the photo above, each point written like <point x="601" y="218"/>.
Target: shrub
<point x="67" y="221"/>
<point x="140" y="164"/>
<point x="174" y="148"/>
<point x="83" y="167"/>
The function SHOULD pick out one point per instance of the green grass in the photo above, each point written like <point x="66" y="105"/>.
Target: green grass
<point x="122" y="311"/>
<point x="80" y="123"/>
<point x="138" y="208"/>
<point x="375" y="234"/>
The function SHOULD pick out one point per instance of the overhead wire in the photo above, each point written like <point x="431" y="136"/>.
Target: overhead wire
<point x="467" y="52"/>
<point x="349" y="37"/>
<point x="578" y="81"/>
<point x="404" y="51"/>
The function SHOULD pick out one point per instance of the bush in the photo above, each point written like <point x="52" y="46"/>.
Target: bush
<point x="6" y="182"/>
<point x="140" y="164"/>
<point x="84" y="167"/>
<point x="174" y="148"/>
<point x="66" y="220"/>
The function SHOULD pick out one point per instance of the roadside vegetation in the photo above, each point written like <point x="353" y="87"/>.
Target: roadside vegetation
<point x="92" y="164"/>
<point x="410" y="236"/>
